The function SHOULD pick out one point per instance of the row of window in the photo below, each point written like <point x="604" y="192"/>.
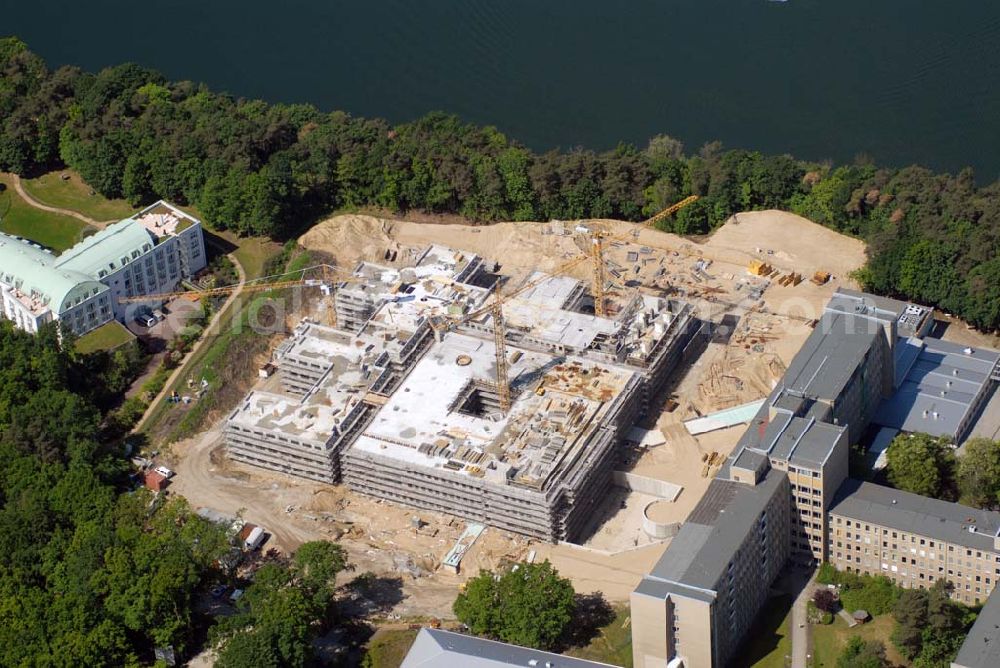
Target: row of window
<point x="914" y="540"/>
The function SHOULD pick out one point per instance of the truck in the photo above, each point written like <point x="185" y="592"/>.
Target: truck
<point x="254" y="539"/>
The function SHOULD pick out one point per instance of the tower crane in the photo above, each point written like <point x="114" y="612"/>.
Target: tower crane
<point x="598" y="237"/>
<point x="494" y="308"/>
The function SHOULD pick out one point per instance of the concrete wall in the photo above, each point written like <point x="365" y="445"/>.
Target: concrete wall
<point x="652" y="486"/>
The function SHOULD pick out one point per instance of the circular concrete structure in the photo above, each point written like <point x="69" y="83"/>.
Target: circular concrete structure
<point x="655" y="519"/>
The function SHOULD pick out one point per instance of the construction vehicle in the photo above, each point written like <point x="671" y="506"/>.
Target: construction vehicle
<point x="821" y="277"/>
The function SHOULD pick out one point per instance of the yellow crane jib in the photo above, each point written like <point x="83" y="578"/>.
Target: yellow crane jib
<point x="671" y="210"/>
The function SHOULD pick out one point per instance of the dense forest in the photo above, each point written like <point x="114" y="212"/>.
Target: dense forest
<point x="271" y="169"/>
<point x="96" y="570"/>
<point x="89" y="575"/>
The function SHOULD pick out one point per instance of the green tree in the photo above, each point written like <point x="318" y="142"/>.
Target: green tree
<point x="529" y="605"/>
<point x="282" y="611"/>
<point x="920" y="463"/>
<point x="317" y="564"/>
<point x="983" y="289"/>
<point x="979" y="473"/>
<point x="862" y="654"/>
<point x="910" y="613"/>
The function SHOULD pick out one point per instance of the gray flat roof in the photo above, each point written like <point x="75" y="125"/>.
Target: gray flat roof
<point x="807" y="442"/>
<point x="436" y="648"/>
<point x="981" y="648"/>
<point x="830" y="355"/>
<point x="910" y="318"/>
<point x="799" y="440"/>
<point x="912" y="513"/>
<point x="853" y="301"/>
<point x="751" y="460"/>
<point x="940" y="388"/>
<point x="700" y="552"/>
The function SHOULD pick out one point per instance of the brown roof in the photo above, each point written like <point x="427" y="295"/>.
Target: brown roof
<point x="245" y="531"/>
<point x="155" y="481"/>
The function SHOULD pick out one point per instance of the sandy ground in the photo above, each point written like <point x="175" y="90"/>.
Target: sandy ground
<point x="798" y="244"/>
<point x="741" y="364"/>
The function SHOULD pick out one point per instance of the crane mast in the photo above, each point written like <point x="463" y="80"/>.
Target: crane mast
<point x="500" y="343"/>
<point x="597" y="253"/>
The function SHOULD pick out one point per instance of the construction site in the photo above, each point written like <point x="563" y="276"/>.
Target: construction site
<point x="611" y="426"/>
<point x="502" y="405"/>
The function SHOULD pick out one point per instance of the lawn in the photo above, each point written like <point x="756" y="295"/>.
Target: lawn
<point x="52" y="230"/>
<point x="769" y="640"/>
<point x="613" y="644"/>
<point x="252" y="252"/>
<point x="829" y="640"/>
<point x="387" y="649"/>
<point x="108" y="336"/>
<point x="74" y="194"/>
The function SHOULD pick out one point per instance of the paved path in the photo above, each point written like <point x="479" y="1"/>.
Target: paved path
<point x="800" y="624"/>
<point x="31" y="201"/>
<point x="210" y="330"/>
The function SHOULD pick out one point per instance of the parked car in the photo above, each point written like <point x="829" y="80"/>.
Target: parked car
<point x="218" y="591"/>
<point x="145" y="319"/>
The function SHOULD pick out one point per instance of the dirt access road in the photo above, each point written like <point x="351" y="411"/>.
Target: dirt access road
<point x="378" y="541"/>
<point x="199" y="482"/>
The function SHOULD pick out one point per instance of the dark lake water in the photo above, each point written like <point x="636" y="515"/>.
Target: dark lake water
<point x="900" y="80"/>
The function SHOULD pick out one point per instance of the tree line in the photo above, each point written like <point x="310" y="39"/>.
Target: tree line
<point x="272" y="169"/>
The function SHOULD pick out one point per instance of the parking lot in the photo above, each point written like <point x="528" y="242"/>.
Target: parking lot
<point x="176" y="314"/>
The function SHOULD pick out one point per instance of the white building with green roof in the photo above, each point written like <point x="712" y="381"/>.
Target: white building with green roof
<point x="147" y="254"/>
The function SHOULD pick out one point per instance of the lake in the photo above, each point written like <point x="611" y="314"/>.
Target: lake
<point x="902" y="81"/>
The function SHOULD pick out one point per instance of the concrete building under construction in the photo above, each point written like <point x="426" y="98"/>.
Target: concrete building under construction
<point x="402" y="402"/>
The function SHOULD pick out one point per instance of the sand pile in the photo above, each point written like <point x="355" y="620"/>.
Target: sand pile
<point x="520" y="246"/>
<point x="351" y="238"/>
<point x="797" y="243"/>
